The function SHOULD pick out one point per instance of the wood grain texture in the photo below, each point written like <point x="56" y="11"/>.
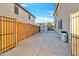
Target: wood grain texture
<point x="13" y="32"/>
<point x="7" y="33"/>
<point x="25" y="30"/>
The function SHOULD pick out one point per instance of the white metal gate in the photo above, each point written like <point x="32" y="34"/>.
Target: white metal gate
<point x="75" y="33"/>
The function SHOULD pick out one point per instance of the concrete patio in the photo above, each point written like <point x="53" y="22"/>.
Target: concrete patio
<point x="41" y="44"/>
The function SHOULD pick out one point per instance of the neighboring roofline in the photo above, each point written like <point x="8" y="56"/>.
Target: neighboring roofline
<point x="24" y="9"/>
<point x="57" y="5"/>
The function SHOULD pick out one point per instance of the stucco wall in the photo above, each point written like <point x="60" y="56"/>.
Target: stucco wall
<point x="7" y="9"/>
<point x="32" y="20"/>
<point x="4" y="10"/>
<point x="65" y="9"/>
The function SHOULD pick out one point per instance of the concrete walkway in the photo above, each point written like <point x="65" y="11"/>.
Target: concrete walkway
<point x="41" y="44"/>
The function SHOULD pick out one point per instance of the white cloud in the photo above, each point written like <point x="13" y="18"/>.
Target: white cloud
<point x="43" y="19"/>
<point x="26" y="4"/>
<point x="51" y="13"/>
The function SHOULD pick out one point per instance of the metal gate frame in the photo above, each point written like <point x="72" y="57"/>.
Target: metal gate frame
<point x="74" y="19"/>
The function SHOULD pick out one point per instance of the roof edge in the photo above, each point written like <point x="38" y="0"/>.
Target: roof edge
<point x="24" y="9"/>
<point x="57" y="5"/>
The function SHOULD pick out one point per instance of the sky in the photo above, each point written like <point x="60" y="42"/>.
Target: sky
<point x="42" y="11"/>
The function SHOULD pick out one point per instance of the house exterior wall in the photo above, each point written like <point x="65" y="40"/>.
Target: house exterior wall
<point x="64" y="11"/>
<point x="7" y="9"/>
<point x="43" y="27"/>
<point x="4" y="9"/>
<point x="32" y="20"/>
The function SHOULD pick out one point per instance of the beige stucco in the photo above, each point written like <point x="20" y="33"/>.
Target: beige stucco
<point x="65" y="9"/>
<point x="64" y="12"/>
<point x="7" y="9"/>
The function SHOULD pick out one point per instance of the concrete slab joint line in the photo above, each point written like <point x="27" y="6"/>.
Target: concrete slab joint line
<point x="40" y="47"/>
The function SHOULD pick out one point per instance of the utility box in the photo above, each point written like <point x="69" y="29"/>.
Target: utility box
<point x="64" y="36"/>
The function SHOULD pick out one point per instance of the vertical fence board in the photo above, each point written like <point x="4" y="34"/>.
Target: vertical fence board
<point x="0" y="35"/>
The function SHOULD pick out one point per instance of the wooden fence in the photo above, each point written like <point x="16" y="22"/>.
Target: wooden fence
<point x="25" y="30"/>
<point x="12" y="32"/>
<point x="7" y="33"/>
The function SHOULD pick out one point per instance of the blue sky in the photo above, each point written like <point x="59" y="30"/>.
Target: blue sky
<point x="42" y="11"/>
